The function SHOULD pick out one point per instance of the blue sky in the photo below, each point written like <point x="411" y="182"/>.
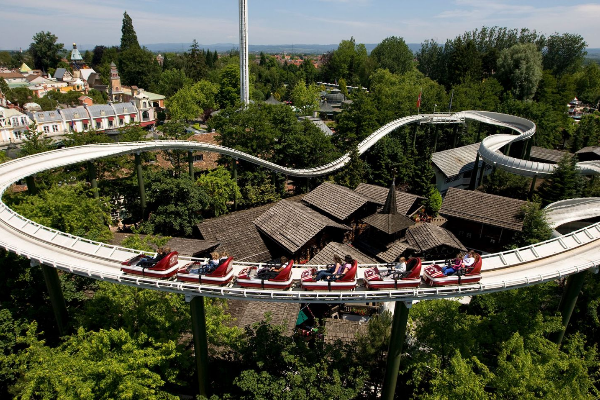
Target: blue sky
<point x="288" y="22"/>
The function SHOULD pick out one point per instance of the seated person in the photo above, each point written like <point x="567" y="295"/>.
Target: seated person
<point x="331" y="268"/>
<point x="454" y="266"/>
<point x="469" y="259"/>
<point x="150" y="261"/>
<point x="399" y="269"/>
<point x="270" y="273"/>
<point x="224" y="257"/>
<point x="339" y="271"/>
<point x="212" y="264"/>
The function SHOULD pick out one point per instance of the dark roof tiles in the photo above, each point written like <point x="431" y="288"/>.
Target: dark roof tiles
<point x="425" y="237"/>
<point x="335" y="200"/>
<point x="378" y="194"/>
<point x="325" y="255"/>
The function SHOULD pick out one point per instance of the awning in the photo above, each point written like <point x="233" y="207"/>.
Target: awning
<point x="132" y="115"/>
<point x="86" y="121"/>
<point x="111" y="118"/>
<point x="98" y="119"/>
<point x="121" y="117"/>
<point x="143" y="124"/>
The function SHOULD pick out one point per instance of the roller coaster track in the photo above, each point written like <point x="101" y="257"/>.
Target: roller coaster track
<point x="542" y="262"/>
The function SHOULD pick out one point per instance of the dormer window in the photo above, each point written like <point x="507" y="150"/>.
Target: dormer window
<point x="102" y="112"/>
<point x="125" y="110"/>
<point x="76" y="115"/>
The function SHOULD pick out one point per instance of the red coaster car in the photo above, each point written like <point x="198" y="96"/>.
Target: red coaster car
<point x="247" y="278"/>
<point x="434" y="276"/>
<point x="165" y="268"/>
<point x="222" y="275"/>
<point x="346" y="282"/>
<point x="376" y="279"/>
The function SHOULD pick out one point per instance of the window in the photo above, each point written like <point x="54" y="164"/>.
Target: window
<point x="15" y="121"/>
<point x="85" y="127"/>
<point x="17" y="135"/>
<point x="46" y="129"/>
<point x="199" y="157"/>
<point x="110" y="124"/>
<point x="23" y="121"/>
<point x="98" y="125"/>
<point x="54" y="128"/>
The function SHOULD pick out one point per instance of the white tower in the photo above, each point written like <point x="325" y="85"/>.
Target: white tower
<point x="244" y="80"/>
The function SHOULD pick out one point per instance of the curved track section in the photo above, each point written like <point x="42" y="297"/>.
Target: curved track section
<point x="530" y="265"/>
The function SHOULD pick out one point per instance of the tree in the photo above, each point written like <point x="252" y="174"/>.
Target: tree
<point x="229" y="86"/>
<point x="71" y="209"/>
<point x="353" y="173"/>
<point x="171" y="81"/>
<point x="305" y="98"/>
<point x="138" y="66"/>
<point x="129" y="38"/>
<point x="174" y="204"/>
<point x="195" y="63"/>
<point x="104" y="364"/>
<point x="535" y="226"/>
<point x="564" y="54"/>
<point x="433" y="202"/>
<point x="192" y="100"/>
<point x="506" y="184"/>
<point x="34" y="142"/>
<point x="564" y="183"/>
<point x="45" y="51"/>
<point x="423" y="175"/>
<point x="588" y="84"/>
<point x="220" y="188"/>
<point x="393" y="54"/>
<point x="520" y="69"/>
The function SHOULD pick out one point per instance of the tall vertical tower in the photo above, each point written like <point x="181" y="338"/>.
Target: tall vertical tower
<point x="244" y="80"/>
<point x="115" y="91"/>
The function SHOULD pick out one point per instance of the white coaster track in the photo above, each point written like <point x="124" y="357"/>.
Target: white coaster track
<point x="526" y="266"/>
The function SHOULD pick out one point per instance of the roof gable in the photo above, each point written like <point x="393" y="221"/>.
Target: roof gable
<point x="378" y="194"/>
<point x="427" y="236"/>
<point x="325" y="255"/>
<point x="481" y="207"/>
<point x="335" y="200"/>
<point x="456" y="161"/>
<point x="292" y="224"/>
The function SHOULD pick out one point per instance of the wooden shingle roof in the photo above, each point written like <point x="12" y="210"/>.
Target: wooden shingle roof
<point x="481" y="207"/>
<point x="238" y="235"/>
<point x="185" y="247"/>
<point x="546" y="155"/>
<point x="325" y="256"/>
<point x="246" y="313"/>
<point x="456" y="161"/>
<point x="394" y="250"/>
<point x="378" y="194"/>
<point x="292" y="224"/>
<point x="389" y="223"/>
<point x="335" y="200"/>
<point x="425" y="237"/>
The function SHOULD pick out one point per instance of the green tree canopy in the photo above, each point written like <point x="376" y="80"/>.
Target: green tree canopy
<point x="564" y="183"/>
<point x="45" y="51"/>
<point x="394" y="55"/>
<point x="564" y="53"/>
<point x="520" y="69"/>
<point x="129" y="38"/>
<point x="535" y="226"/>
<point x="221" y="189"/>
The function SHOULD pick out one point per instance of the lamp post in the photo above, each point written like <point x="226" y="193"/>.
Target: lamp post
<point x="434" y="107"/>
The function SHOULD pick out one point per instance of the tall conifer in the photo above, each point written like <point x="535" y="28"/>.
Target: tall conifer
<point x="129" y="38"/>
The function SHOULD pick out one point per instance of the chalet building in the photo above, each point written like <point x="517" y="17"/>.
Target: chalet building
<point x="325" y="255"/>
<point x="298" y="229"/>
<point x="433" y="242"/>
<point x="483" y="221"/>
<point x="185" y="247"/>
<point x="541" y="154"/>
<point x="126" y="113"/>
<point x="590" y="153"/>
<point x="454" y="167"/>
<point x="102" y="116"/>
<point x="406" y="203"/>
<point x="50" y="123"/>
<point x="77" y="119"/>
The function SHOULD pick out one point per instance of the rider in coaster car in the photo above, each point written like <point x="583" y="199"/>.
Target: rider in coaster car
<point x="162" y="252"/>
<point x="270" y="273"/>
<point x="338" y="272"/>
<point x="454" y="266"/>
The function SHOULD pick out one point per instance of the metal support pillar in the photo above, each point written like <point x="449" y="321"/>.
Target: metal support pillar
<point x="93" y="174"/>
<point x="235" y="178"/>
<point x="482" y="174"/>
<point x="532" y="188"/>
<point x="528" y="151"/>
<point x="140" y="176"/>
<point x="399" y="322"/>
<point x="200" y="342"/>
<point x="508" y="149"/>
<point x="524" y="150"/>
<point x="30" y="181"/>
<point x="191" y="164"/>
<point x="474" y="173"/>
<point x="56" y="297"/>
<point x="567" y="303"/>
<point x="435" y="138"/>
<point x="455" y="139"/>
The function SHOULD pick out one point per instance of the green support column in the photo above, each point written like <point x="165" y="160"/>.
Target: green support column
<point x="508" y="149"/>
<point x="474" y="173"/>
<point x="191" y="164"/>
<point x="532" y="188"/>
<point x="140" y="176"/>
<point x="482" y="175"/>
<point x="30" y="181"/>
<point x="567" y="303"/>
<point x="56" y="297"/>
<point x="200" y="342"/>
<point x="93" y="174"/>
<point x="528" y="152"/>
<point x="455" y="139"/>
<point x="401" y="311"/>
<point x="524" y="151"/>
<point x="235" y="168"/>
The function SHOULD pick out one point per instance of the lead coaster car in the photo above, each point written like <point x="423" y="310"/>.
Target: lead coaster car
<point x="346" y="282"/>
<point x="433" y="276"/>
<point x="376" y="279"/>
<point x="165" y="268"/>
<point x="247" y="278"/>
<point x="222" y="275"/>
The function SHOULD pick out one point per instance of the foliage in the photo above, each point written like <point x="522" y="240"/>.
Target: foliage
<point x="564" y="53"/>
<point x="423" y="175"/>
<point x="535" y="226"/>
<point x="305" y="98"/>
<point x="349" y="61"/>
<point x="145" y="242"/>
<point x="520" y="69"/>
<point x="229" y="86"/>
<point x="220" y="188"/>
<point x="176" y="130"/>
<point x="356" y="122"/>
<point x="195" y="62"/>
<point x="353" y="173"/>
<point x="394" y="55"/>
<point x="564" y="183"/>
<point x="69" y="208"/>
<point x="138" y="67"/>
<point x="129" y="38"/>
<point x="3" y="157"/>
<point x="192" y="100"/>
<point x="505" y="184"/>
<point x="46" y="53"/>
<point x="174" y="204"/>
<point x="171" y="81"/>
<point x="587" y="133"/>
<point x="104" y="364"/>
<point x="433" y="202"/>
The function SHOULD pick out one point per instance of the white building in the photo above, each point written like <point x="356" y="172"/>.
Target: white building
<point x="13" y="124"/>
<point x="454" y="167"/>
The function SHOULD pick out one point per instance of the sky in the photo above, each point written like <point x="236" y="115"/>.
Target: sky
<point x="287" y="22"/>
